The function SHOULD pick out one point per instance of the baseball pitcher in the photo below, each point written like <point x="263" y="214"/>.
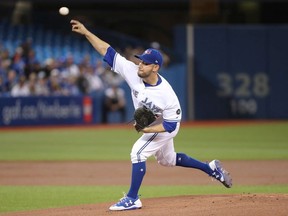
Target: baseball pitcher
<point x="153" y="94"/>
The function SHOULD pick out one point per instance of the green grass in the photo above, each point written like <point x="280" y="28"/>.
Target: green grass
<point x="67" y="144"/>
<point x="251" y="142"/>
<point x="22" y="198"/>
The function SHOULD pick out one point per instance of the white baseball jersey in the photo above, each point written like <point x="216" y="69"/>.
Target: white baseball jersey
<point x="161" y="98"/>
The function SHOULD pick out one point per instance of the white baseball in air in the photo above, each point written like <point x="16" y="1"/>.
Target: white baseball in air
<point x="64" y="11"/>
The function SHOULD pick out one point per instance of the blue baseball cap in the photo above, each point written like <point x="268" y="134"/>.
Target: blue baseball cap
<point x="151" y="56"/>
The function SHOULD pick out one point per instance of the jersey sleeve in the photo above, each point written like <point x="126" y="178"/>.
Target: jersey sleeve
<point x="127" y="69"/>
<point x="169" y="126"/>
<point x="172" y="114"/>
<point x="109" y="56"/>
<point x="172" y="109"/>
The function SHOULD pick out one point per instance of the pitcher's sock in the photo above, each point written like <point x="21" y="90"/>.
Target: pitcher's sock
<point x="186" y="161"/>
<point x="138" y="172"/>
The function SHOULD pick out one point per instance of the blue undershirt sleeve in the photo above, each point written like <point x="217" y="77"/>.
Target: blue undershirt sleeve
<point x="169" y="126"/>
<point x="109" y="56"/>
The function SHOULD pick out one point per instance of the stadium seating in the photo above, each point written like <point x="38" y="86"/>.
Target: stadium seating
<point x="46" y="42"/>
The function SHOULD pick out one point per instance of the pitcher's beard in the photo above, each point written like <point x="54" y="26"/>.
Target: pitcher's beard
<point x="143" y="75"/>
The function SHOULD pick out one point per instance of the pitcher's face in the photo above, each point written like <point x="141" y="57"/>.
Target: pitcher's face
<point x="146" y="69"/>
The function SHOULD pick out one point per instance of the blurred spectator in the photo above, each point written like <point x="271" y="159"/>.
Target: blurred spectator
<point x="54" y="85"/>
<point x="82" y="82"/>
<point x="21" y="89"/>
<point x="49" y="65"/>
<point x="99" y="68"/>
<point x="69" y="86"/>
<point x="110" y="78"/>
<point x="86" y="61"/>
<point x="42" y="85"/>
<point x="18" y="63"/>
<point x="22" y="12"/>
<point x="5" y="60"/>
<point x="32" y="81"/>
<point x="114" y="101"/>
<point x="71" y="68"/>
<point x="27" y="46"/>
<point x="31" y="63"/>
<point x="94" y="81"/>
<point x="10" y="81"/>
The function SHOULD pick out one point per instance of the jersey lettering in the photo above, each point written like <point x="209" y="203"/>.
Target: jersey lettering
<point x="135" y="93"/>
<point x="151" y="106"/>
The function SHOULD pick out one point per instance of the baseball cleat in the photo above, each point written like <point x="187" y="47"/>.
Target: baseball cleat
<point x="220" y="173"/>
<point x="126" y="203"/>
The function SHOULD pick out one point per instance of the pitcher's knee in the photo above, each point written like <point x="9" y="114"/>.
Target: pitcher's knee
<point x="136" y="158"/>
<point x="168" y="161"/>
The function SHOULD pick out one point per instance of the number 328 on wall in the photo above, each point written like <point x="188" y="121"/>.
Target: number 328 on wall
<point x="243" y="85"/>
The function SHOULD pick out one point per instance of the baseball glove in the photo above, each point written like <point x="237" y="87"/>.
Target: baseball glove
<point x="143" y="117"/>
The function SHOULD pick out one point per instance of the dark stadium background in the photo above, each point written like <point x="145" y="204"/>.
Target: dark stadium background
<point x="141" y="22"/>
<point x="153" y="19"/>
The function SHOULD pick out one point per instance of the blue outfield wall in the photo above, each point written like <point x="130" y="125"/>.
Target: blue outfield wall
<point x="241" y="72"/>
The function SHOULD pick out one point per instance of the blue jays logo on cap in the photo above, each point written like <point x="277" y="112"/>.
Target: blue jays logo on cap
<point x="148" y="51"/>
<point x="151" y="56"/>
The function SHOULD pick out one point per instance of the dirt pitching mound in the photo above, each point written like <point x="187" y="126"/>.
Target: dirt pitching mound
<point x="246" y="204"/>
<point x="98" y="173"/>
